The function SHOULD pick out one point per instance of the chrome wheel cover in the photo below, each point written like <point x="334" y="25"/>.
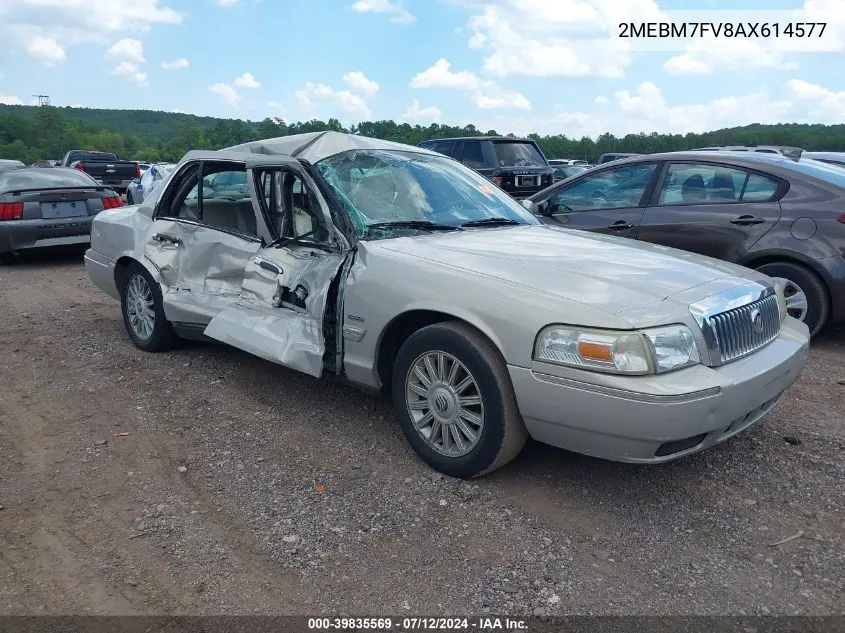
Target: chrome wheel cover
<point x="444" y="403"/>
<point x="796" y="299"/>
<point x="140" y="307"/>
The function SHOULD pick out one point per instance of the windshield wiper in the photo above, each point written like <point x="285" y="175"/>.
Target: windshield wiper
<point x="425" y="225"/>
<point x="491" y="222"/>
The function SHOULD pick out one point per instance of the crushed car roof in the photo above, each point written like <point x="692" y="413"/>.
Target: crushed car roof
<point x="315" y="146"/>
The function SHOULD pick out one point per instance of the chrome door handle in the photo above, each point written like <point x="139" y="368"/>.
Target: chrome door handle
<point x="161" y="238"/>
<point x="267" y="265"/>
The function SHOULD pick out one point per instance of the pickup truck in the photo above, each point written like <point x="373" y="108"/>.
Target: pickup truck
<point x="104" y="167"/>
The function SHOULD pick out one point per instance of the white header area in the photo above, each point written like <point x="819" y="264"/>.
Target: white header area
<point x="799" y="31"/>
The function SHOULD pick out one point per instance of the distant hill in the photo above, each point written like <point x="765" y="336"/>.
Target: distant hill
<point x="29" y="133"/>
<point x="148" y="125"/>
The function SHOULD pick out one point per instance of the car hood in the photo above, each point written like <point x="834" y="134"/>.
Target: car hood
<point x="609" y="273"/>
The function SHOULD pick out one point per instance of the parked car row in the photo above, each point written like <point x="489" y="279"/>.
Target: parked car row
<point x="398" y="269"/>
<point x="151" y="177"/>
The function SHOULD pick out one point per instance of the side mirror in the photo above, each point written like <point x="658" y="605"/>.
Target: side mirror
<point x="137" y="181"/>
<point x="529" y="206"/>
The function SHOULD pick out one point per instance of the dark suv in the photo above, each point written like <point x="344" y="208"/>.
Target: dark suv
<point x="517" y="165"/>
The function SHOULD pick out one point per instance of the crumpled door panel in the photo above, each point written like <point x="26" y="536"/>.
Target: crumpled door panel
<point x="164" y="255"/>
<point x="279" y="314"/>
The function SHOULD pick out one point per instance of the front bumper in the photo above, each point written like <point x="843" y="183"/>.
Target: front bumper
<point x="659" y="418"/>
<point x="16" y="235"/>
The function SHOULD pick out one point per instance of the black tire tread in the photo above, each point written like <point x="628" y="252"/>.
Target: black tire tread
<point x="817" y="286"/>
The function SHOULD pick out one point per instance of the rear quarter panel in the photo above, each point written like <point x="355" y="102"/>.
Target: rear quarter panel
<point x="117" y="233"/>
<point x="808" y="228"/>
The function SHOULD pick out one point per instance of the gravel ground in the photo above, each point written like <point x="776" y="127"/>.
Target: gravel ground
<point x="242" y="487"/>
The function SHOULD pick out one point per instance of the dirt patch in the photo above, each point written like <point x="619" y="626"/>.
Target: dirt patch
<point x="243" y="487"/>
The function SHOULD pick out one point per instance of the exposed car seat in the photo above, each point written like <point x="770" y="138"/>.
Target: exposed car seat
<point x="236" y="215"/>
<point x="694" y="190"/>
<point x="722" y="187"/>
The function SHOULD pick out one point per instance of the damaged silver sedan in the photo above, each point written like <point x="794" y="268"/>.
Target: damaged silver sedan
<point x="399" y="270"/>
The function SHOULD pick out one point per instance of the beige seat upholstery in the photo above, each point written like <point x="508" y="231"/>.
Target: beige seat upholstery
<point x="236" y="215"/>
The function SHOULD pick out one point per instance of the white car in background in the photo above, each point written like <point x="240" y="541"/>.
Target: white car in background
<point x="146" y="184"/>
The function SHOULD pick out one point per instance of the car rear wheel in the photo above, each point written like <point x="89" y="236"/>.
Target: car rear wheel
<point x="143" y="311"/>
<point x="455" y="401"/>
<point x="806" y="296"/>
<point x="129" y="200"/>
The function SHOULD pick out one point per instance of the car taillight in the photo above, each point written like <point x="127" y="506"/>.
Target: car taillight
<point x="841" y="218"/>
<point x="497" y="180"/>
<point x="11" y="210"/>
<point x="112" y="202"/>
<point x="137" y="170"/>
<point x="80" y="166"/>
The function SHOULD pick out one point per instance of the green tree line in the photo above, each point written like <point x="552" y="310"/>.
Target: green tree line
<point x="31" y="133"/>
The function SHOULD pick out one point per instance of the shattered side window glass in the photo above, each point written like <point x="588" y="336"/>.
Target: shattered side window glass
<point x="382" y="187"/>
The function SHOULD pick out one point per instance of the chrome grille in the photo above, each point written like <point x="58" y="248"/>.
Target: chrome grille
<point x="736" y="332"/>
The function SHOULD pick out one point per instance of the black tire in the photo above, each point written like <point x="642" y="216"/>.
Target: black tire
<point x="9" y="258"/>
<point x="129" y="201"/>
<point x="503" y="434"/>
<point x="162" y="337"/>
<point x="818" y="299"/>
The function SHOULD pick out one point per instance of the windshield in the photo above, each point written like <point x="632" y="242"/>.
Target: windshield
<point x="518" y="154"/>
<point x="834" y="174"/>
<point x="378" y="187"/>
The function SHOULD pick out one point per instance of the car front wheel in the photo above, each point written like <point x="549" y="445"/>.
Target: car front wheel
<point x="143" y="311"/>
<point x="455" y="401"/>
<point x="806" y="296"/>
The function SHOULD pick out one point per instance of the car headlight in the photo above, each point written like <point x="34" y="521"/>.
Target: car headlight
<point x="781" y="297"/>
<point x="652" y="351"/>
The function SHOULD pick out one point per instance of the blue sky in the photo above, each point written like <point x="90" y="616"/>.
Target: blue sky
<point x="550" y="66"/>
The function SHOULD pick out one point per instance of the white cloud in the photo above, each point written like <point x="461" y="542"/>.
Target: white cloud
<point x="130" y="72"/>
<point x="227" y="92"/>
<point x="10" y="100"/>
<point x="564" y="38"/>
<point x="247" y="81"/>
<point x="417" y="114"/>
<point x="47" y="49"/>
<point x="707" y="56"/>
<point x="359" y="83"/>
<point x="396" y="11"/>
<point x="350" y="103"/>
<point x="175" y="64"/>
<point x="226" y="3"/>
<point x="127" y="49"/>
<point x="821" y="104"/>
<point x="47" y="28"/>
<point x="484" y="93"/>
<point x="601" y="100"/>
<point x="645" y="109"/>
